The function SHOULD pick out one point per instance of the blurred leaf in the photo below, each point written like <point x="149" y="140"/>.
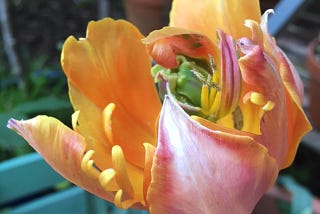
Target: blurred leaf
<point x="44" y="104"/>
<point x="301" y="202"/>
<point x="11" y="144"/>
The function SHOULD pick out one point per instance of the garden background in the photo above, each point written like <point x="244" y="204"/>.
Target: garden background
<point x="36" y="84"/>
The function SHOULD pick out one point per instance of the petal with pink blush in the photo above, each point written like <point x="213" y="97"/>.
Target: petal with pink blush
<point x="198" y="170"/>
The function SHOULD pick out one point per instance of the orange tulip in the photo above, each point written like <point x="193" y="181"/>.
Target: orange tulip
<point x="231" y="116"/>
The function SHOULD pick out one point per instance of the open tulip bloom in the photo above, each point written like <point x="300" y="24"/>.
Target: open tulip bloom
<point x="205" y="129"/>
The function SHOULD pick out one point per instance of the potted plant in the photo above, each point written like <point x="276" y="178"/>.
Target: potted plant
<point x="313" y="66"/>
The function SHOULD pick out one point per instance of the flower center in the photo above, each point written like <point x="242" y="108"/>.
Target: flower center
<point x="196" y="85"/>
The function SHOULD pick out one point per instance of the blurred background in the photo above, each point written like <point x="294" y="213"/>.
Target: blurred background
<point x="32" y="82"/>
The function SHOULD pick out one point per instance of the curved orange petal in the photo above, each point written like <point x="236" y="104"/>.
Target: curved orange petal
<point x="89" y="123"/>
<point x="260" y="77"/>
<point x="112" y="66"/>
<point x="207" y="16"/>
<point x="198" y="170"/>
<point x="298" y="124"/>
<point x="289" y="75"/>
<point x="61" y="147"/>
<point x="297" y="121"/>
<point x="165" y="44"/>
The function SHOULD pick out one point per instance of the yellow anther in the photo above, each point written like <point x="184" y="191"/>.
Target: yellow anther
<point x="107" y="122"/>
<point x="257" y="98"/>
<point x="107" y="180"/>
<point x="123" y="204"/>
<point x="118" y="199"/>
<point x="212" y="96"/>
<point x="205" y="97"/>
<point x="269" y="106"/>
<point x="87" y="165"/>
<point x="74" y="119"/>
<point x="209" y="101"/>
<point x="214" y="107"/>
<point x="119" y="165"/>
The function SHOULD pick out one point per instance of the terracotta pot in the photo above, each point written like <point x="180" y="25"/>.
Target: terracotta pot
<point x="147" y="15"/>
<point x="313" y="67"/>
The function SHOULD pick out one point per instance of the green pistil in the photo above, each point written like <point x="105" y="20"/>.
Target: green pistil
<point x="185" y="82"/>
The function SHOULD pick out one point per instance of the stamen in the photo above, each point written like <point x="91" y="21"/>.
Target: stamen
<point x="212" y="96"/>
<point x="208" y="79"/>
<point x="87" y="165"/>
<point x="269" y="106"/>
<point x="107" y="180"/>
<point x="74" y="119"/>
<point x="216" y="104"/>
<point x="212" y="64"/>
<point x="119" y="165"/>
<point x="124" y="204"/>
<point x="204" y="97"/>
<point x="125" y="197"/>
<point x="107" y="120"/>
<point x="200" y="76"/>
<point x="258" y="99"/>
<point x="209" y="103"/>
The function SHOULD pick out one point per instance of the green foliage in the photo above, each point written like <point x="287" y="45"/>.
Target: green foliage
<point x="12" y="144"/>
<point x="45" y="93"/>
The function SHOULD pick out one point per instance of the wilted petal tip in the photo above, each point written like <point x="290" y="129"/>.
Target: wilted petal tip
<point x="264" y="18"/>
<point x="269" y="11"/>
<point x="13" y="124"/>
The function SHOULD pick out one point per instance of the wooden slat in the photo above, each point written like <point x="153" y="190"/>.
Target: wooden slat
<point x="68" y="201"/>
<point x="72" y="200"/>
<point x="24" y="176"/>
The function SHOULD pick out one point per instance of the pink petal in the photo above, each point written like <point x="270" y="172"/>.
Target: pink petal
<point x="230" y="74"/>
<point x="198" y="170"/>
<point x="297" y="121"/>
<point x="259" y="73"/>
<point x="267" y="69"/>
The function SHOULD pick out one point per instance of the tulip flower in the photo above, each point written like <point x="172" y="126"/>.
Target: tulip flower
<point x="207" y="131"/>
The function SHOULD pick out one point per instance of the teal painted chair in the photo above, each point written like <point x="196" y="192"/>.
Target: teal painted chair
<point x="29" y="186"/>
